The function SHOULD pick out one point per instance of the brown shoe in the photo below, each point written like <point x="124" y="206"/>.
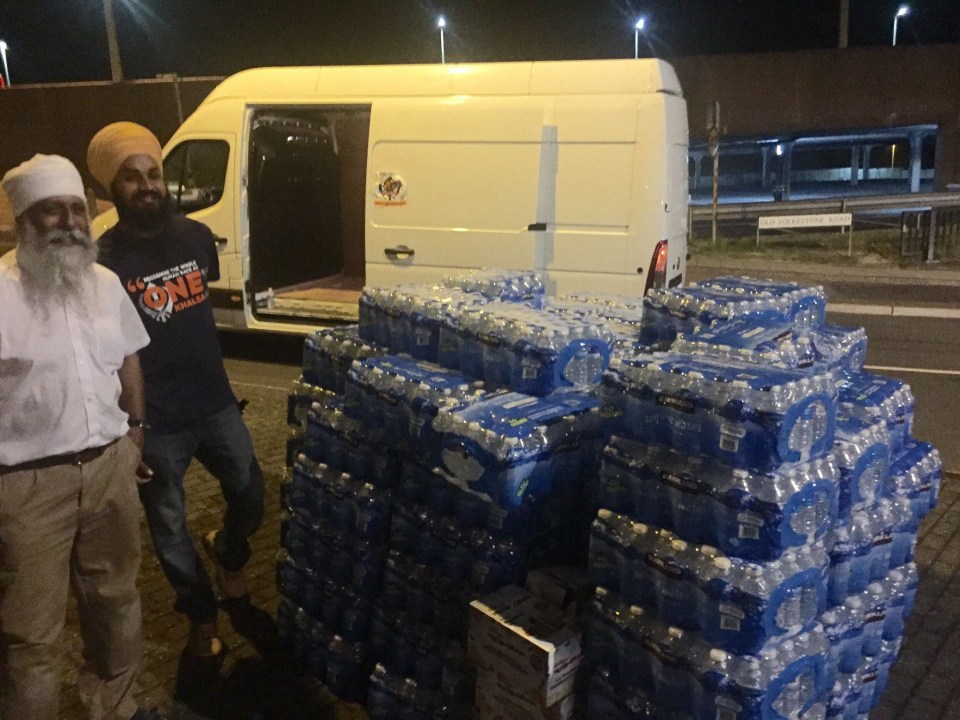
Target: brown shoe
<point x="232" y="583"/>
<point x="203" y="641"/>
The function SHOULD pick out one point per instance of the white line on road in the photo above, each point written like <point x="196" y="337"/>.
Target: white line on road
<point x="923" y="371"/>
<point x="897" y="311"/>
<point x="258" y="385"/>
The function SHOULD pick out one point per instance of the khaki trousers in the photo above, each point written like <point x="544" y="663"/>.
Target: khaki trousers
<point x="70" y="526"/>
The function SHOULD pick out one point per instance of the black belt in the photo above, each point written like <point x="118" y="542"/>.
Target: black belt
<point x="78" y="458"/>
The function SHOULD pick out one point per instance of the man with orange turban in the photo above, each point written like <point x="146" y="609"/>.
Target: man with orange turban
<point x="165" y="261"/>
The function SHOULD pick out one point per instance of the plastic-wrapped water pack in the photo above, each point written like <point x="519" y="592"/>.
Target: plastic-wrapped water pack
<point x="736" y="605"/>
<point x="862" y="450"/>
<point x="407" y="318"/>
<point x="328" y="353"/>
<point x="509" y="446"/>
<point x="403" y="395"/>
<point x="875" y="397"/>
<point x="680" y="671"/>
<point x="509" y="345"/>
<point x="747" y="416"/>
<point x="828" y="347"/>
<point x="347" y="444"/>
<point x="749" y="515"/>
<point x="670" y="311"/>
<point x="622" y="321"/>
<point x="496" y="284"/>
<point x="915" y="474"/>
<point x="878" y="538"/>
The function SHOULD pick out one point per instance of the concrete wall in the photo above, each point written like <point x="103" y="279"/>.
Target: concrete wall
<point x="817" y="91"/>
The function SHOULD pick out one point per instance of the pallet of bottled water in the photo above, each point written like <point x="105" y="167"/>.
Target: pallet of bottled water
<point x="755" y="516"/>
<point x="671" y="311"/>
<point x="408" y="318"/>
<point x="747" y="416"/>
<point x="677" y="673"/>
<point x="827" y="347"/>
<point x="403" y="395"/>
<point x="329" y="353"/>
<point x="507" y="446"/>
<point x="347" y="444"/>
<point x="873" y="397"/>
<point x="734" y="604"/>
<point x="515" y="346"/>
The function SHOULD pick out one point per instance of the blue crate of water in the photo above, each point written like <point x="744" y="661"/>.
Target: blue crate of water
<point x="842" y="348"/>
<point x="737" y="605"/>
<point x="671" y="311"/>
<point x="857" y="627"/>
<point x="756" y="516"/>
<point x="407" y="318"/>
<point x="877" y="539"/>
<point x="862" y="450"/>
<point x="873" y="397"/>
<point x="498" y="284"/>
<point x="402" y="395"/>
<point x="509" y="345"/>
<point x="508" y="446"/>
<point x="854" y="695"/>
<point x="350" y="445"/>
<point x="328" y="354"/>
<point x="746" y="416"/>
<point x="678" y="669"/>
<point x="301" y="396"/>
<point x="915" y="474"/>
<point x="606" y="701"/>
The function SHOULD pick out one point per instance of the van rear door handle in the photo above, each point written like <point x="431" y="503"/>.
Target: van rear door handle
<point x="400" y="252"/>
<point x="537" y="227"/>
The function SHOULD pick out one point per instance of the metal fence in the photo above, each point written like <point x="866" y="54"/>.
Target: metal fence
<point x="930" y="235"/>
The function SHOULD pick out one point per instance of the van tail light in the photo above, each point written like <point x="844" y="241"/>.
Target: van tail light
<point x="657" y="277"/>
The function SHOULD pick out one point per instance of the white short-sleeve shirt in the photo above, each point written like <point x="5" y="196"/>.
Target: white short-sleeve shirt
<point x="59" y="385"/>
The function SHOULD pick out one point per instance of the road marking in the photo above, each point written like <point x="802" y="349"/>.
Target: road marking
<point x="897" y="311"/>
<point x="258" y="385"/>
<point x="924" y="371"/>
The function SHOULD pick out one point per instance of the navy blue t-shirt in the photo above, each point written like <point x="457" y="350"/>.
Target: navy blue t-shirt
<point x="166" y="277"/>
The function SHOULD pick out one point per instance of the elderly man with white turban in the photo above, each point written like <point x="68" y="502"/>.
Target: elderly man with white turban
<point x="71" y="432"/>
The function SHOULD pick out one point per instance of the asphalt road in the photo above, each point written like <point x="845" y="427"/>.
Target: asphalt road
<point x="924" y="352"/>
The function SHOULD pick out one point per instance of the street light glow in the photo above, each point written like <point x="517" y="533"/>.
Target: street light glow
<point x="441" y="22"/>
<point x="903" y="10"/>
<point x="6" y="69"/>
<point x="639" y="25"/>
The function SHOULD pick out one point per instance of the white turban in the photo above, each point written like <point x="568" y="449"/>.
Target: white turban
<point x="39" y="178"/>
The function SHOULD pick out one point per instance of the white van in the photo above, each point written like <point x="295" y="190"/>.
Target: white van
<point x="321" y="180"/>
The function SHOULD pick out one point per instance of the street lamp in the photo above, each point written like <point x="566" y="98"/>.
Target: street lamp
<point x="902" y="11"/>
<point x="116" y="71"/>
<point x="637" y="27"/>
<point x="442" y="23"/>
<point x="6" y="70"/>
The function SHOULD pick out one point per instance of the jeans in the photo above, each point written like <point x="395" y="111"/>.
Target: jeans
<point x="223" y="446"/>
<point x="73" y="526"/>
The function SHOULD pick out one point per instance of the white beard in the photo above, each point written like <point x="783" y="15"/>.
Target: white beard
<point x="58" y="271"/>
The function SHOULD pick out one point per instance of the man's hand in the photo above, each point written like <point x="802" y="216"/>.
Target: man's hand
<point x="143" y="474"/>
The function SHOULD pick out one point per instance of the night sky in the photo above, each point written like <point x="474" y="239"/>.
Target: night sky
<point x="65" y="40"/>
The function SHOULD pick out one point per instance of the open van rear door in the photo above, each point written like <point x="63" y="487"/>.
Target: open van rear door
<point x="455" y="183"/>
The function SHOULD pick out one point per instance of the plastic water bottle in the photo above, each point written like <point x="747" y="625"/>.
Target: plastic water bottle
<point x="383" y="700"/>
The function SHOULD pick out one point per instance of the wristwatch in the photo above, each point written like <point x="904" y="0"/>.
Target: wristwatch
<point x="141" y="424"/>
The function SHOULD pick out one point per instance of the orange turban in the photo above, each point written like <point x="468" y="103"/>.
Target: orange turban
<point x="114" y="144"/>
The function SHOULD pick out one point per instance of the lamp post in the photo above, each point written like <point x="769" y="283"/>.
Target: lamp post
<point x="6" y="69"/>
<point x="116" y="71"/>
<point x="902" y="11"/>
<point x="441" y="24"/>
<point x="637" y="27"/>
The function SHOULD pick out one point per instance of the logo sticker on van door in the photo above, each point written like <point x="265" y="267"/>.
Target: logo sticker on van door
<point x="390" y="190"/>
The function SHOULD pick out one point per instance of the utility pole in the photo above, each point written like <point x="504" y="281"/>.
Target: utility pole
<point x="713" y="139"/>
<point x="844" y="24"/>
<point x="116" y="72"/>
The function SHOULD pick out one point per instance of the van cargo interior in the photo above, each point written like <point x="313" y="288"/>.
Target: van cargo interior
<point x="306" y="180"/>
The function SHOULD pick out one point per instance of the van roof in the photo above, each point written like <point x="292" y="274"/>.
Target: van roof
<point x="569" y="77"/>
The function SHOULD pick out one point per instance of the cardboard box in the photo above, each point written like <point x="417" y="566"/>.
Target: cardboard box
<point x="500" y="699"/>
<point x="532" y="644"/>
